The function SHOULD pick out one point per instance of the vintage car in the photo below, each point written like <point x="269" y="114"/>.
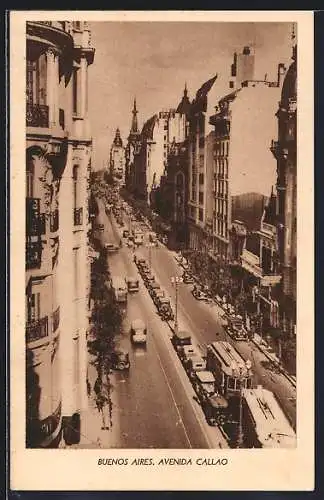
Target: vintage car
<point x="120" y="360"/>
<point x="196" y="363"/>
<point x="187" y="278"/>
<point x="186" y="352"/>
<point x="156" y="295"/>
<point x="148" y="277"/>
<point x="164" y="309"/>
<point x="125" y="233"/>
<point x="132" y="284"/>
<point x="138" y="331"/>
<point x="199" y="294"/>
<point x="111" y="247"/>
<point x="180" y="339"/>
<point x="100" y="227"/>
<point x="152" y="287"/>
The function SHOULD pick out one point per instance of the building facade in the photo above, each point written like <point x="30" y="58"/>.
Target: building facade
<point x="198" y="167"/>
<point x="117" y="159"/>
<point x="285" y="153"/>
<point x="244" y="124"/>
<point x="58" y="163"/>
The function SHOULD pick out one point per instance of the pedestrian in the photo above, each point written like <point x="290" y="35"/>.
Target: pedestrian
<point x="88" y="387"/>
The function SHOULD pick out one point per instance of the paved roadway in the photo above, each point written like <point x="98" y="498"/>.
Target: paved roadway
<point x="153" y="403"/>
<point x="203" y="321"/>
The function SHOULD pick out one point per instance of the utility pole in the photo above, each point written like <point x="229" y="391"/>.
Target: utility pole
<point x="242" y="377"/>
<point x="175" y="280"/>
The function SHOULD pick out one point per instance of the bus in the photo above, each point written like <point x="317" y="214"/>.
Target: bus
<point x="231" y="371"/>
<point x="120" y="289"/>
<point x="263" y="421"/>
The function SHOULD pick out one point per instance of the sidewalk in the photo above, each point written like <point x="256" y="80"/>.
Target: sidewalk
<point x="92" y="434"/>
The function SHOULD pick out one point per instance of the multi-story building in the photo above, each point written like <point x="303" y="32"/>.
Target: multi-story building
<point x="198" y="168"/>
<point x="285" y="153"/>
<point x="244" y="124"/>
<point x="117" y="158"/>
<point x="58" y="162"/>
<point x="153" y="147"/>
<point x="172" y="195"/>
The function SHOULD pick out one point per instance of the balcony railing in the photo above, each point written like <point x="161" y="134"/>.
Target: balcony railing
<point x="37" y="115"/>
<point x="62" y="118"/>
<point x="37" y="329"/>
<point x="33" y="254"/>
<point x="78" y="216"/>
<point x="54" y="225"/>
<point x="56" y="319"/>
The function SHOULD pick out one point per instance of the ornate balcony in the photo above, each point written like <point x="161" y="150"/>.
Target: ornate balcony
<point x="33" y="254"/>
<point x="37" y="329"/>
<point x="274" y="148"/>
<point x="54" y="224"/>
<point x="78" y="216"/>
<point x="56" y="319"/>
<point x="37" y="115"/>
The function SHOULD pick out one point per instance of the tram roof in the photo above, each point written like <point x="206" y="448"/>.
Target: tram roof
<point x="230" y="358"/>
<point x="271" y="424"/>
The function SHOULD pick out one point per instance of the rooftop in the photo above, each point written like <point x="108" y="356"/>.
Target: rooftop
<point x="271" y="424"/>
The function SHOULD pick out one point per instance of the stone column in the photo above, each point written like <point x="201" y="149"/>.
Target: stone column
<point x="50" y="85"/>
<point x="56" y="80"/>
<point x="66" y="291"/>
<point x="83" y="285"/>
<point x="83" y="87"/>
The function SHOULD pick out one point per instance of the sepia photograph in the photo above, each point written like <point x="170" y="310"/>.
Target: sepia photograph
<point x="161" y="240"/>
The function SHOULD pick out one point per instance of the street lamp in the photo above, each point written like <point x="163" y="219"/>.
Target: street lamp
<point x="241" y="367"/>
<point x="175" y="280"/>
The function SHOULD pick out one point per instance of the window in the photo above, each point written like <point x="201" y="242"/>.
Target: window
<point x="230" y="383"/>
<point x="201" y="214"/>
<point x="201" y="179"/>
<point x="36" y="80"/>
<point x="77" y="25"/>
<point x="75" y="90"/>
<point x="33" y="309"/>
<point x="201" y="198"/>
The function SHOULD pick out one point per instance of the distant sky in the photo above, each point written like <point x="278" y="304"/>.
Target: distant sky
<point x="153" y="60"/>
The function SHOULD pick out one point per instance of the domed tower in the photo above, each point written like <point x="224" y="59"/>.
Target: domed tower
<point x="285" y="151"/>
<point x="117" y="158"/>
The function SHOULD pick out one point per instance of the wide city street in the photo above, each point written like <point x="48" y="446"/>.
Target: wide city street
<point x="153" y="403"/>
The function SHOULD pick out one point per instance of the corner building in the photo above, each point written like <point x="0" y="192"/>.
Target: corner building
<point x="58" y="163"/>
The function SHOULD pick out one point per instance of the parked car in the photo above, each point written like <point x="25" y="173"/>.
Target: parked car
<point x="188" y="278"/>
<point x="125" y="233"/>
<point x="187" y="351"/>
<point x="180" y="339"/>
<point x="120" y="360"/>
<point x="153" y="286"/>
<point x="157" y="295"/>
<point x="100" y="227"/>
<point x="148" y="278"/>
<point x="165" y="309"/>
<point x="138" y="331"/>
<point x="200" y="294"/>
